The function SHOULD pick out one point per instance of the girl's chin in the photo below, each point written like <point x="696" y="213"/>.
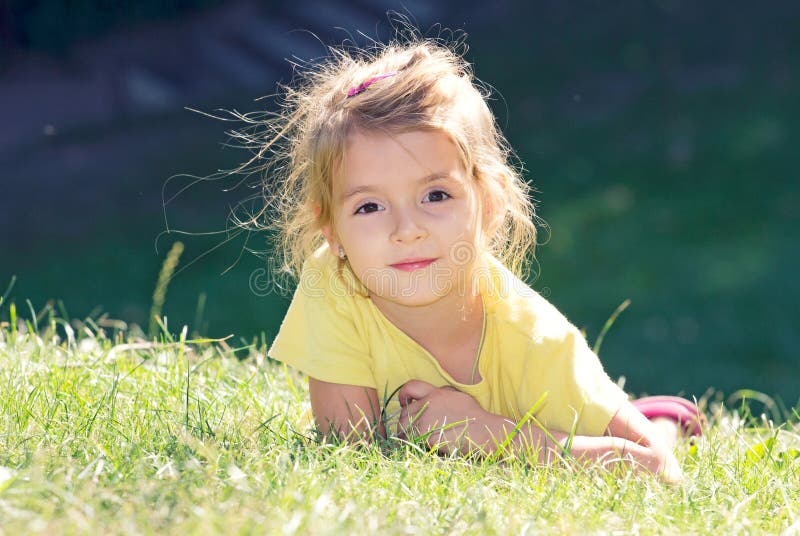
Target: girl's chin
<point x="417" y="299"/>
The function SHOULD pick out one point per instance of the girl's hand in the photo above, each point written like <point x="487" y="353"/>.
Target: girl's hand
<point x="651" y="449"/>
<point x="454" y="421"/>
<point x="451" y="419"/>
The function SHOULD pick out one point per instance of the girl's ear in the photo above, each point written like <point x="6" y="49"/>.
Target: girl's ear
<point x="492" y="219"/>
<point x="494" y="210"/>
<point x="326" y="231"/>
<point x="488" y="213"/>
<point x="333" y="245"/>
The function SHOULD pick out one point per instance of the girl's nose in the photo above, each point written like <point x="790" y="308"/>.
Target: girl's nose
<point x="408" y="226"/>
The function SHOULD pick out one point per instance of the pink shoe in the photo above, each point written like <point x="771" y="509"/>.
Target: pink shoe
<point x="680" y="410"/>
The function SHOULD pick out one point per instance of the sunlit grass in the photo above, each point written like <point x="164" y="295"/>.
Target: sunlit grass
<point x="104" y="431"/>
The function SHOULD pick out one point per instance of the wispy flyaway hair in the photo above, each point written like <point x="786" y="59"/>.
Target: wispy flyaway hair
<point x="430" y="87"/>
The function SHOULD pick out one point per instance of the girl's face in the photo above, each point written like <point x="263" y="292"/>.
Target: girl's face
<point x="406" y="216"/>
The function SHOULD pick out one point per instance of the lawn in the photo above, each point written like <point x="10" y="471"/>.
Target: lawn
<point x="687" y="204"/>
<point x="662" y="156"/>
<point x="103" y="430"/>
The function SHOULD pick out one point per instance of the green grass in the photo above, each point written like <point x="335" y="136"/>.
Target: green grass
<point x="103" y="431"/>
<point x="686" y="204"/>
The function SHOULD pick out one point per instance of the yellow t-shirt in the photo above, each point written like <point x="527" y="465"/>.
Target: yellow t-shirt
<point x="528" y="349"/>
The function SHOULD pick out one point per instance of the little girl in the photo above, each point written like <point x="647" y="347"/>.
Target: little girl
<point x="408" y="227"/>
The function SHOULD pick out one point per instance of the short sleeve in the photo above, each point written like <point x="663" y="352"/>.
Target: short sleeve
<point x="319" y="337"/>
<point x="600" y="396"/>
<point x="579" y="388"/>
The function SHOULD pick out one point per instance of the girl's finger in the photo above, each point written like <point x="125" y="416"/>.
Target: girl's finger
<point x="414" y="390"/>
<point x="408" y="417"/>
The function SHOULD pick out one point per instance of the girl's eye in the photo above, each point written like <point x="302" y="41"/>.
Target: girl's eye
<point x="438" y="196"/>
<point x="367" y="208"/>
<point x="434" y="196"/>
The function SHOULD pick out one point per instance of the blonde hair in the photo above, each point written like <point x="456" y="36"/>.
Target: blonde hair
<point x="434" y="89"/>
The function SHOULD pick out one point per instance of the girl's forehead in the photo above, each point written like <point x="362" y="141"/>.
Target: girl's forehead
<point x="369" y="156"/>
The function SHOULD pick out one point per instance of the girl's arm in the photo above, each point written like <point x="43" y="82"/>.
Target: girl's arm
<point x="631" y="439"/>
<point x="345" y="411"/>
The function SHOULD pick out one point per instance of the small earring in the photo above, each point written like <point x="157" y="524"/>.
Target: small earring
<point x="341" y="253"/>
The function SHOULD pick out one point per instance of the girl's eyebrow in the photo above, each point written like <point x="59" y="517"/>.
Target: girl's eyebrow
<point x="369" y="188"/>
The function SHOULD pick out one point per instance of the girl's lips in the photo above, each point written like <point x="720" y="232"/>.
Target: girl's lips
<point x="413" y="265"/>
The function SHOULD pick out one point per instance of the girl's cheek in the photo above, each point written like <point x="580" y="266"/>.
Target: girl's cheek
<point x="373" y="220"/>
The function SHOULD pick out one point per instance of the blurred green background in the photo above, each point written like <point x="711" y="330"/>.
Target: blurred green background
<point x="661" y="138"/>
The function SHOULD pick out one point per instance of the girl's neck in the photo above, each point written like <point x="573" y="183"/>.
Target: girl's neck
<point x="439" y="327"/>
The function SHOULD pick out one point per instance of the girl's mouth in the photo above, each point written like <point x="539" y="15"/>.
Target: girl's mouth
<point x="410" y="266"/>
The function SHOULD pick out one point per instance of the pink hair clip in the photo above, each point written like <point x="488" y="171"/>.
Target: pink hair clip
<point x="353" y="91"/>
